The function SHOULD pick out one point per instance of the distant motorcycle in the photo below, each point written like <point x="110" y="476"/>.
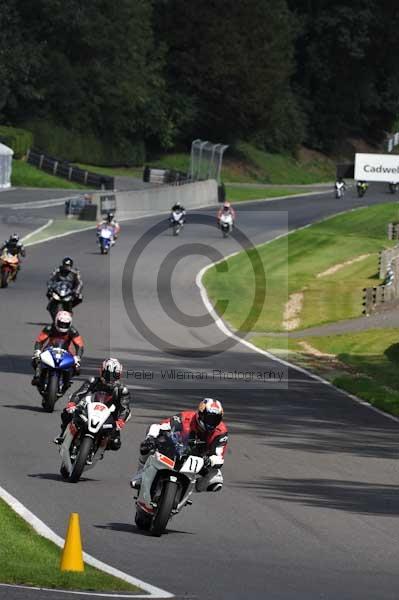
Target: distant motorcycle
<point x="361" y="188"/>
<point x="61" y="298"/>
<point x="177" y="221"/>
<point x="168" y="481"/>
<point x="9" y="267"/>
<point x="57" y="365"/>
<point x="86" y="437"/>
<point x="106" y="239"/>
<point x="339" y="190"/>
<point x="393" y="187"/>
<point x="226" y="224"/>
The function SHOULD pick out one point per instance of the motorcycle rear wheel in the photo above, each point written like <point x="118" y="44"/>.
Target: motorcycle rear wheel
<point x="51" y="394"/>
<point x="163" y="513"/>
<point x="79" y="464"/>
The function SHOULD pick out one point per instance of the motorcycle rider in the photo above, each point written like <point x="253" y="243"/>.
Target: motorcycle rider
<point x="226" y="209"/>
<point x="340" y="187"/>
<point x="181" y="212"/>
<point x="362" y="185"/>
<point x="61" y="333"/>
<point x="206" y="425"/>
<point x="14" y="247"/>
<point x="113" y="392"/>
<point x="109" y="221"/>
<point x="66" y="272"/>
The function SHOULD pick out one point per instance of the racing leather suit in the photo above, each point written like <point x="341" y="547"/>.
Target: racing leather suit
<point x="215" y="448"/>
<point x="230" y="211"/>
<point x="50" y="336"/>
<point x="112" y="393"/>
<point x="15" y="249"/>
<point x="114" y="224"/>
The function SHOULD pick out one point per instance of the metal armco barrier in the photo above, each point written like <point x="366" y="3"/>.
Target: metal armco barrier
<point x="67" y="171"/>
<point x="165" y="176"/>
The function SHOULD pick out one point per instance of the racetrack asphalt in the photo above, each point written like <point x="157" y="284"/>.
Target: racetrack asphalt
<point x="310" y="505"/>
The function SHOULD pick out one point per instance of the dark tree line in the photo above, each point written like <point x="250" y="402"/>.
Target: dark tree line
<point x="275" y="72"/>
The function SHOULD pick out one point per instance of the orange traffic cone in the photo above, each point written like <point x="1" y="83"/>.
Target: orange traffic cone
<point x="72" y="555"/>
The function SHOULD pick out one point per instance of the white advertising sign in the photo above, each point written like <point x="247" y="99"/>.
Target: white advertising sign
<point x="377" y="167"/>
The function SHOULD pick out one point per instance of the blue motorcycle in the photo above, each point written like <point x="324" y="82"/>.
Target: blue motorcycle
<point x="57" y="368"/>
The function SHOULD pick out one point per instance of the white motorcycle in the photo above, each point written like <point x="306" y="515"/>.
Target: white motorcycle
<point x="86" y="437"/>
<point x="177" y="221"/>
<point x="168" y="480"/>
<point x="226" y="224"/>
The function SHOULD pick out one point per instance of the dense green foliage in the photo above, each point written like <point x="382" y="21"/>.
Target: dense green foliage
<point x="20" y="140"/>
<point x="101" y="80"/>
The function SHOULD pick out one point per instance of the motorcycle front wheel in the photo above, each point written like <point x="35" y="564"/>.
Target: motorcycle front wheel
<point x="51" y="393"/>
<point x="165" y="505"/>
<point x="85" y="448"/>
<point x="4" y="278"/>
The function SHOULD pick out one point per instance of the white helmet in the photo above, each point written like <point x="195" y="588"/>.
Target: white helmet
<point x="63" y="321"/>
<point x="111" y="369"/>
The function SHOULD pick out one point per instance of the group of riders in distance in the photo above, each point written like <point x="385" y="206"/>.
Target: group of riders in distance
<point x="361" y="187"/>
<point x="182" y="454"/>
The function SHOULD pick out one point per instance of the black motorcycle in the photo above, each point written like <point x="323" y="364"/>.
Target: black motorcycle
<point x="62" y="297"/>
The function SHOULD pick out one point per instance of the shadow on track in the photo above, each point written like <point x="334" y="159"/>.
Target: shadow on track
<point x="130" y="528"/>
<point x="352" y="496"/>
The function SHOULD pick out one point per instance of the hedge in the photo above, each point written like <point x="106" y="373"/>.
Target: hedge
<point x="20" y="140"/>
<point x="74" y="146"/>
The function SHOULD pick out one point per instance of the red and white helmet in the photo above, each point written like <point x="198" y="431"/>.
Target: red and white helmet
<point x="210" y="414"/>
<point x="63" y="321"/>
<point x="226" y="204"/>
<point x="111" y="369"/>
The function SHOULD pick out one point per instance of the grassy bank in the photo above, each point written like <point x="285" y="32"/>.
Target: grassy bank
<point x="26" y="175"/>
<point x="365" y="364"/>
<point x="242" y="194"/>
<point x="245" y="164"/>
<point x="29" y="559"/>
<point x="299" y="264"/>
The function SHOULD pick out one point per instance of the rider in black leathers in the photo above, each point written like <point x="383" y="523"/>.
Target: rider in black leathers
<point x="67" y="273"/>
<point x="114" y="393"/>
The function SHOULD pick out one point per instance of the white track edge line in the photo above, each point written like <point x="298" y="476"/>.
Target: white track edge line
<point x="49" y="222"/>
<point x="224" y="329"/>
<point x="42" y="529"/>
<point x="132" y="596"/>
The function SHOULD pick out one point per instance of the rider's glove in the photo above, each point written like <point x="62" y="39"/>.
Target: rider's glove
<point x="120" y="423"/>
<point x="77" y="361"/>
<point x="207" y="465"/>
<point x="36" y="357"/>
<point x="70" y="408"/>
<point x="148" y="445"/>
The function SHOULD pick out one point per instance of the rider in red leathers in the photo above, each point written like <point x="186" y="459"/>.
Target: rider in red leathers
<point x="206" y="425"/>
<point x="226" y="209"/>
<point x="62" y="334"/>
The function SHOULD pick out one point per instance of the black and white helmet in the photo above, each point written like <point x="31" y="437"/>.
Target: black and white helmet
<point x="111" y="370"/>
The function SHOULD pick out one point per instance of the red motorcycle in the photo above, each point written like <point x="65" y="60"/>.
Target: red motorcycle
<point x="8" y="268"/>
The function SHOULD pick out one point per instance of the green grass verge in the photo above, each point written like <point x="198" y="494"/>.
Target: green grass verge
<point x="291" y="264"/>
<point x="26" y="175"/>
<point x="241" y="194"/>
<point x="29" y="559"/>
<point x="365" y="364"/>
<point x="113" y="171"/>
<point x="58" y="227"/>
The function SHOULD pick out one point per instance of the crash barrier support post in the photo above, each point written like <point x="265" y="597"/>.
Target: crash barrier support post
<point x="72" y="554"/>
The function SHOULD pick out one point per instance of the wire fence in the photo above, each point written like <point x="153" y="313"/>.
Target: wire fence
<point x="206" y="160"/>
